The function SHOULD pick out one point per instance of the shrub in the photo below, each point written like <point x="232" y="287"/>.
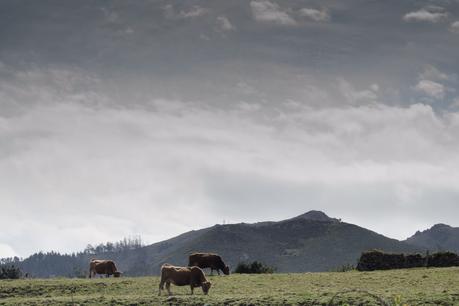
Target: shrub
<point x="377" y="260"/>
<point x="10" y="272"/>
<point x="443" y="259"/>
<point x="255" y="267"/>
<point x="414" y="260"/>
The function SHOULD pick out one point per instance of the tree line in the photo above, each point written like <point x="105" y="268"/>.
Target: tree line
<point x="50" y="264"/>
<point x="125" y="244"/>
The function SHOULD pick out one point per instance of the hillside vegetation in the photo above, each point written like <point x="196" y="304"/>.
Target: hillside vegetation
<point x="311" y="242"/>
<point x="397" y="287"/>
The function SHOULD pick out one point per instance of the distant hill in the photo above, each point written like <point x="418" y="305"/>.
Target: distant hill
<point x="440" y="237"/>
<point x="309" y="242"/>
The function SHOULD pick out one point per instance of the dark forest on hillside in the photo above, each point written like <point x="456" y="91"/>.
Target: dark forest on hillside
<point x="49" y="264"/>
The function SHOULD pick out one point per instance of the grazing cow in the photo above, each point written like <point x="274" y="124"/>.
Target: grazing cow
<point x="99" y="266"/>
<point x="208" y="260"/>
<point x="183" y="276"/>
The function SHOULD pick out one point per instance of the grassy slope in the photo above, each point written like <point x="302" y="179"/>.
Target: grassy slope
<point x="415" y="287"/>
<point x="290" y="245"/>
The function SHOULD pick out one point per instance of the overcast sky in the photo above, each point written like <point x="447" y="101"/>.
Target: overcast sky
<point x="152" y="118"/>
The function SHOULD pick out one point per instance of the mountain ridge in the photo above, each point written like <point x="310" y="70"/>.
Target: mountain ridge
<point x="310" y="242"/>
<point x="439" y="237"/>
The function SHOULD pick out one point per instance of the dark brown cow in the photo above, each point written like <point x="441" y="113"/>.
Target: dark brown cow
<point x="101" y="266"/>
<point x="208" y="260"/>
<point x="183" y="276"/>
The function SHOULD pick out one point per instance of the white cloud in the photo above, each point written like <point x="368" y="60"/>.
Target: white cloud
<point x="224" y="24"/>
<point x="428" y="14"/>
<point x="454" y="27"/>
<point x="195" y="11"/>
<point x="314" y="14"/>
<point x="357" y="97"/>
<point x="434" y="83"/>
<point x="266" y="11"/>
<point x="431" y="89"/>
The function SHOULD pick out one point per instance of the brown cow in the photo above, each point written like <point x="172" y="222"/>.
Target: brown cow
<point x="182" y="276"/>
<point x="100" y="266"/>
<point x="208" y="260"/>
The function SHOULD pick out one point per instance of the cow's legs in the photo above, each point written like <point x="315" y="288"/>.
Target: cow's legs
<point x="211" y="271"/>
<point x="192" y="288"/>
<point x="161" y="286"/>
<point x="218" y="271"/>
<point x="168" y="287"/>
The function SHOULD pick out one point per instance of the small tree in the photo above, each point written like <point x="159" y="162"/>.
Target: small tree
<point x="255" y="267"/>
<point x="10" y="272"/>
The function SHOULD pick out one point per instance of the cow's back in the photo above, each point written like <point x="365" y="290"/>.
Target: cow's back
<point x="198" y="259"/>
<point x="205" y="260"/>
<point x="179" y="276"/>
<point x="104" y="266"/>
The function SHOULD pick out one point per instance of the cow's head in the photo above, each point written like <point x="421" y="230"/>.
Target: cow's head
<point x="206" y="286"/>
<point x="226" y="270"/>
<point x="117" y="274"/>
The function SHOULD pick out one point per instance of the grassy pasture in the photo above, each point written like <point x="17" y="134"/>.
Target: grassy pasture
<point x="398" y="287"/>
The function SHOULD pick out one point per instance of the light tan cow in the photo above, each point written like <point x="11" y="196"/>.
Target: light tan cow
<point x="183" y="276"/>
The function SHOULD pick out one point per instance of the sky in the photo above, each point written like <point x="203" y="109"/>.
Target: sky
<point x="153" y="118"/>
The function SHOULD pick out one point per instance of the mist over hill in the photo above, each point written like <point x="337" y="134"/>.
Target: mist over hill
<point x="309" y="242"/>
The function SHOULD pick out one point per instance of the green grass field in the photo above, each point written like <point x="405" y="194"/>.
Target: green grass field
<point x="396" y="287"/>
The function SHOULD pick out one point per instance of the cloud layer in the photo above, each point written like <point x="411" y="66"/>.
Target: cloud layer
<point x="95" y="173"/>
<point x="116" y="119"/>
